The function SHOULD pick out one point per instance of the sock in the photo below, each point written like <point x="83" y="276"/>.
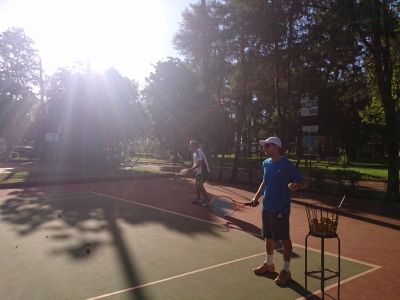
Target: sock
<point x="270" y="259"/>
<point x="286" y="265"/>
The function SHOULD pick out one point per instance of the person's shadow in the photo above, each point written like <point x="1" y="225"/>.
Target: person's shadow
<point x="292" y="284"/>
<point x="238" y="224"/>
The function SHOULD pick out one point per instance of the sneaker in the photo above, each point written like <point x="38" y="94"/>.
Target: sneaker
<point x="283" y="277"/>
<point x="264" y="268"/>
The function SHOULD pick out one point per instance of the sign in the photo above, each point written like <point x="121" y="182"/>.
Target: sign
<point x="310" y="139"/>
<point x="51" y="137"/>
<point x="310" y="130"/>
<point x="311" y="144"/>
<point x="308" y="106"/>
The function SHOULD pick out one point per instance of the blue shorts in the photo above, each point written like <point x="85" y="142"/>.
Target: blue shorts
<point x="275" y="226"/>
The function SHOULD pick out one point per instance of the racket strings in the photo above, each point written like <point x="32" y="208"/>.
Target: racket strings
<point x="222" y="206"/>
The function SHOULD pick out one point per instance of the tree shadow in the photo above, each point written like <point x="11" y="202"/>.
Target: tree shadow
<point x="31" y="210"/>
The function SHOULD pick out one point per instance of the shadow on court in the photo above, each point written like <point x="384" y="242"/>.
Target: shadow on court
<point x="292" y="284"/>
<point x="31" y="210"/>
<point x="133" y="244"/>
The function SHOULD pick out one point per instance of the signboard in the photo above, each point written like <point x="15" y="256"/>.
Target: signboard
<point x="311" y="144"/>
<point x="310" y="139"/>
<point x="51" y="137"/>
<point x="310" y="130"/>
<point x="308" y="106"/>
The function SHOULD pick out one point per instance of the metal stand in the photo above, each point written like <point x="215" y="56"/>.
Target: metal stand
<point x="322" y="268"/>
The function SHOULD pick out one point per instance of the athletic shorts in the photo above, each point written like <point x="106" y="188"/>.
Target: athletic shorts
<point x="275" y="226"/>
<point x="199" y="177"/>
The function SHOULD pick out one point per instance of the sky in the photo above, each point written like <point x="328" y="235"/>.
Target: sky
<point x="129" y="35"/>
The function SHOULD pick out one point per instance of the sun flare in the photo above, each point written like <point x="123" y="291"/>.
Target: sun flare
<point x="124" y="34"/>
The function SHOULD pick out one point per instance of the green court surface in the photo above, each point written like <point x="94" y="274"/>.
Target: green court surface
<point x="136" y="252"/>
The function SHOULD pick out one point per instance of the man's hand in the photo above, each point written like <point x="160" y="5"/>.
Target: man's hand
<point x="293" y="186"/>
<point x="254" y="202"/>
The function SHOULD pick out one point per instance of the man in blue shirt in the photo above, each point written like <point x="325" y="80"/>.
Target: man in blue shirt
<point x="280" y="177"/>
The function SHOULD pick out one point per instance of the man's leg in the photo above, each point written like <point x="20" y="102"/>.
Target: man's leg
<point x="268" y="265"/>
<point x="203" y="191"/>
<point x="287" y="250"/>
<point x="270" y="246"/>
<point x="196" y="186"/>
<point x="282" y="230"/>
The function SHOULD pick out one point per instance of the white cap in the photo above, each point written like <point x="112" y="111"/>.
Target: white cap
<point x="272" y="140"/>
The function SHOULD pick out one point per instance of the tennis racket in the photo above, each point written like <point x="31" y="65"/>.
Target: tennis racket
<point x="223" y="206"/>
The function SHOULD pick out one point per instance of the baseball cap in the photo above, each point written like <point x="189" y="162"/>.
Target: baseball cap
<point x="272" y="140"/>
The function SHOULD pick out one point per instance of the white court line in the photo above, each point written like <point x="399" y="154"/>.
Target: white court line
<point x="342" y="282"/>
<point x="341" y="256"/>
<point x="175" y="277"/>
<point x="159" y="209"/>
<point x="373" y="267"/>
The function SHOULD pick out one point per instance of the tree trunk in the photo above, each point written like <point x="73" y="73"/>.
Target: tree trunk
<point x="392" y="140"/>
<point x="384" y="75"/>
<point x="236" y="161"/>
<point x="221" y="167"/>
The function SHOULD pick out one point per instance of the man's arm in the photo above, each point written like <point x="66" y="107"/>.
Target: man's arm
<point x="259" y="192"/>
<point x="196" y="165"/>
<point x="297" y="181"/>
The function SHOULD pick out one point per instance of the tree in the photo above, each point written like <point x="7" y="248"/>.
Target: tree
<point x="173" y="102"/>
<point x="94" y="115"/>
<point x="19" y="76"/>
<point x="375" y="24"/>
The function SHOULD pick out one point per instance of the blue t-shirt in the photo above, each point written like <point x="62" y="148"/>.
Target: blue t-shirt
<point x="277" y="175"/>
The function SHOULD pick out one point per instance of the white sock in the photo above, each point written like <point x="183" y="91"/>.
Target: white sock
<point x="270" y="259"/>
<point x="286" y="265"/>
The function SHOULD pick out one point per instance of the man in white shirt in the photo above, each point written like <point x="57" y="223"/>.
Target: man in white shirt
<point x="200" y="169"/>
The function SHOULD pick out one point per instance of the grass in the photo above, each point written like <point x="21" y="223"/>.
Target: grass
<point x="368" y="171"/>
<point x="327" y="169"/>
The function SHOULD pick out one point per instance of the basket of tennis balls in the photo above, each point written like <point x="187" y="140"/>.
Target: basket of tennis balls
<point x="322" y="220"/>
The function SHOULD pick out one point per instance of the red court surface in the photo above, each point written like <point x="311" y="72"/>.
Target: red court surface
<point x="364" y="241"/>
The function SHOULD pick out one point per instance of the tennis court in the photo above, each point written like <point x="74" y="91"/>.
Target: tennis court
<point x="92" y="245"/>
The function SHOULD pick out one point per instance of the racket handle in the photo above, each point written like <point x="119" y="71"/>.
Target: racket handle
<point x="254" y="203"/>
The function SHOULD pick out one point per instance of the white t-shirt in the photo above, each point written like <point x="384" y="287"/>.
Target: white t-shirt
<point x="197" y="156"/>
